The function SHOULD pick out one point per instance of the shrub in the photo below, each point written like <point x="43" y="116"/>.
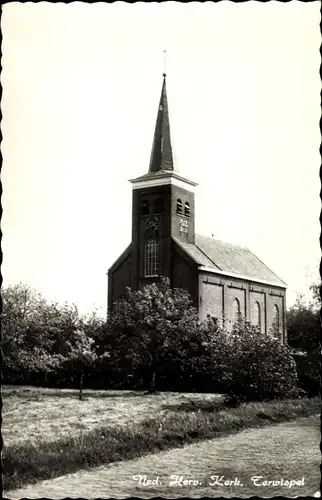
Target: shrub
<point x="256" y="367"/>
<point x="308" y="371"/>
<point x="304" y="324"/>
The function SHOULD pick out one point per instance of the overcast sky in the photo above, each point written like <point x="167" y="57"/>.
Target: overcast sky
<point x="81" y="84"/>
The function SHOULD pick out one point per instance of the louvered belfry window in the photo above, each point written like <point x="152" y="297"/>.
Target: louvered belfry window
<point x="151" y="264"/>
<point x="187" y="209"/>
<point x="145" y="207"/>
<point x="179" y="206"/>
<point x="158" y="206"/>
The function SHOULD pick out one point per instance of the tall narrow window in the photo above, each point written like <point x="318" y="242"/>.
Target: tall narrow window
<point x="257" y="315"/>
<point x="179" y="206"/>
<point x="187" y="209"/>
<point x="145" y="207"/>
<point x="236" y="310"/>
<point x="276" y="321"/>
<point x="151" y="266"/>
<point x="158" y="206"/>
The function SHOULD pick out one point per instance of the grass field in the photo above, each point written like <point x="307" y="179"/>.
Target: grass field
<point x="289" y="450"/>
<point x="48" y="433"/>
<point x="51" y="414"/>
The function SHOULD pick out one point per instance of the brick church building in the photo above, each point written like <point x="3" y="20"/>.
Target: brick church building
<point x="222" y="279"/>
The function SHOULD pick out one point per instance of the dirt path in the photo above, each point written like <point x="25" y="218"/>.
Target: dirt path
<point x="288" y="451"/>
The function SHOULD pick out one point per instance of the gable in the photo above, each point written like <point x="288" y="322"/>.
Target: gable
<point x="119" y="261"/>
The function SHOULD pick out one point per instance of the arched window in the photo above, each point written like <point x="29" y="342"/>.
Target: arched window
<point x="187" y="209"/>
<point x="158" y="206"/>
<point x="236" y="310"/>
<point x="151" y="264"/>
<point x="145" y="207"/>
<point x="256" y="314"/>
<point x="179" y="207"/>
<point x="276" y="321"/>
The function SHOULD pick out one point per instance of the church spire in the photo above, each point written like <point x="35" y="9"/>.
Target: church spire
<point x="161" y="155"/>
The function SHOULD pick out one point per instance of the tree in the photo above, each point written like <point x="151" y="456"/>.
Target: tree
<point x="41" y="337"/>
<point x="25" y="344"/>
<point x="303" y="332"/>
<point x="303" y="323"/>
<point x="154" y="328"/>
<point x="256" y="367"/>
<point x="95" y="326"/>
<point x="79" y="355"/>
<point x="315" y="289"/>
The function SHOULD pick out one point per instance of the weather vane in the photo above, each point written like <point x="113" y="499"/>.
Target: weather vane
<point x="164" y="61"/>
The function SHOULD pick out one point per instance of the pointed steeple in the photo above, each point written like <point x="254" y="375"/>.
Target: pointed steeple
<point x="162" y="169"/>
<point x="161" y="155"/>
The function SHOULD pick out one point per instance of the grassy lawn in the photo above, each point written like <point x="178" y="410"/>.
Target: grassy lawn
<point x="51" y="414"/>
<point x="62" y="435"/>
<point x="289" y="450"/>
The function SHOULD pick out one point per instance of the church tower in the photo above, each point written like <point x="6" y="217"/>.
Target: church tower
<point x="163" y="207"/>
<point x="223" y="280"/>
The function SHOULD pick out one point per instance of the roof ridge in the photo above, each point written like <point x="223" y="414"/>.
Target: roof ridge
<point x="222" y="241"/>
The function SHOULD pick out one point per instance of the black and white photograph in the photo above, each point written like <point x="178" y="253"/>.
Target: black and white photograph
<point x="160" y="236"/>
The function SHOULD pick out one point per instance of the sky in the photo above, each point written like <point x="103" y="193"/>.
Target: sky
<point x="81" y="85"/>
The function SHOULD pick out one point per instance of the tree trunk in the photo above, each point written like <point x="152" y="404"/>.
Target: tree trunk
<point x="152" y="382"/>
<point x="81" y="386"/>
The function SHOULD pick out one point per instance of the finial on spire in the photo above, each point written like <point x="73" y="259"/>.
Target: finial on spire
<point x="164" y="61"/>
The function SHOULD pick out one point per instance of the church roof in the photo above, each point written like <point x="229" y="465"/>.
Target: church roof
<point x="229" y="259"/>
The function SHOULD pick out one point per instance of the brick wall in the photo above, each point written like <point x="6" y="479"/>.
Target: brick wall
<point x="258" y="297"/>
<point x="139" y="234"/>
<point x="217" y="293"/>
<point x="235" y="290"/>
<point x="213" y="300"/>
<point x="118" y="279"/>
<point x="184" y="273"/>
<point x="185" y="196"/>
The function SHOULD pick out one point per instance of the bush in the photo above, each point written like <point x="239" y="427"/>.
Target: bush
<point x="256" y="367"/>
<point x="304" y="325"/>
<point x="308" y="371"/>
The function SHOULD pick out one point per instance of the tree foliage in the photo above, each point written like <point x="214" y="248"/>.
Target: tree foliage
<point x="158" y="334"/>
<point x="154" y="340"/>
<point x="40" y="336"/>
<point x="26" y="345"/>
<point x="303" y="323"/>
<point x="303" y="332"/>
<point x="257" y="367"/>
<point x="157" y="330"/>
<point x="79" y="355"/>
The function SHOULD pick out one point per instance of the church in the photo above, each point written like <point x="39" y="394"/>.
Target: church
<point x="223" y="280"/>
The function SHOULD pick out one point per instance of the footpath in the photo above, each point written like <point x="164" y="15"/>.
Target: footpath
<point x="284" y="458"/>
